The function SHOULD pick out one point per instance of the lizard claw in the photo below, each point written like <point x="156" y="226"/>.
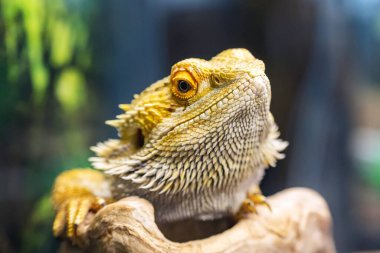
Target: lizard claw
<point x="76" y="193"/>
<point x="59" y="223"/>
<point x="249" y="205"/>
<point x="72" y="213"/>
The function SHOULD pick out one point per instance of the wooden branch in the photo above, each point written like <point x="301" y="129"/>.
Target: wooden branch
<point x="300" y="221"/>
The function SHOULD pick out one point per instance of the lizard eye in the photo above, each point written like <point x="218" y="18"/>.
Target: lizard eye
<point x="184" y="85"/>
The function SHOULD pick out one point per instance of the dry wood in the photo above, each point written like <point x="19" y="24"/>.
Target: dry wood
<point x="300" y="221"/>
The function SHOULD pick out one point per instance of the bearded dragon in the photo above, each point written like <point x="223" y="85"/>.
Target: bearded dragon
<point x="192" y="144"/>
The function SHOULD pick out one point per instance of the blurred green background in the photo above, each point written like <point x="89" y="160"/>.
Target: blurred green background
<point x="48" y="102"/>
<point x="66" y="64"/>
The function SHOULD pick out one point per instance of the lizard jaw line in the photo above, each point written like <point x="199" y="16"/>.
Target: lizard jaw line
<point x="219" y="99"/>
<point x="256" y="92"/>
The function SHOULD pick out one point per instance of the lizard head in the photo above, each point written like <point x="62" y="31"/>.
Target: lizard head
<point x="210" y="116"/>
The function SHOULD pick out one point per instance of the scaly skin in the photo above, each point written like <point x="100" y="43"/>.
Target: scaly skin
<point x="191" y="143"/>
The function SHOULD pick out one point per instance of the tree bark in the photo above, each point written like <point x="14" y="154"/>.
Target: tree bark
<point x="300" y="221"/>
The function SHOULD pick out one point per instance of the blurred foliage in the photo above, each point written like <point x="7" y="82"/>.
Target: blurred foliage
<point x="37" y="233"/>
<point x="44" y="35"/>
<point x="44" y="90"/>
<point x="47" y="59"/>
<point x="70" y="90"/>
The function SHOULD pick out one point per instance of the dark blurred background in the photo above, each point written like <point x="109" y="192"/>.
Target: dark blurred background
<point x="66" y="64"/>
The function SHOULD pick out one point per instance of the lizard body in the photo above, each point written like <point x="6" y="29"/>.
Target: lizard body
<point x="191" y="143"/>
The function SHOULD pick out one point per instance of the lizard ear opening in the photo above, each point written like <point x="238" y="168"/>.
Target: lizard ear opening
<point x="136" y="137"/>
<point x="139" y="139"/>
